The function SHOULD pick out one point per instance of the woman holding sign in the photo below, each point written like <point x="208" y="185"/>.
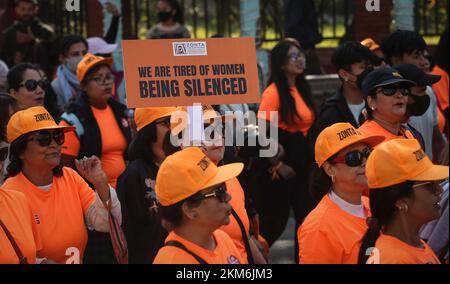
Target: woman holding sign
<point x="287" y="184"/>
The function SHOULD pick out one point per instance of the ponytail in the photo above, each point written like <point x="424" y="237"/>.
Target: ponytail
<point x="382" y="205"/>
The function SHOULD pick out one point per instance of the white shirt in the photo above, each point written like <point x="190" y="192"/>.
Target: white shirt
<point x="356" y="110"/>
<point x="352" y="209"/>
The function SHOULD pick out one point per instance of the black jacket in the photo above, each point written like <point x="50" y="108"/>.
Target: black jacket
<point x="334" y="110"/>
<point x="91" y="140"/>
<point x="140" y="222"/>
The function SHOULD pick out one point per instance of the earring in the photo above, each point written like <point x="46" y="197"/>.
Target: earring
<point x="333" y="179"/>
<point x="373" y="108"/>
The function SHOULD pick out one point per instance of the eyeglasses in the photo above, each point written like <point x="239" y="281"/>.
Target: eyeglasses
<point x="353" y="158"/>
<point x="296" y="56"/>
<point x="102" y="80"/>
<point x="44" y="138"/>
<point x="430" y="185"/>
<point x="31" y="85"/>
<point x="392" y="90"/>
<point x="3" y="154"/>
<point x="220" y="193"/>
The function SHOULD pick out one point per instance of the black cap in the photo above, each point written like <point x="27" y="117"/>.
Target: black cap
<point x="383" y="77"/>
<point x="417" y="75"/>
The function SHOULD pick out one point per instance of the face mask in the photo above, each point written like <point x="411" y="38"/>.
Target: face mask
<point x="164" y="16"/>
<point x="72" y="63"/>
<point x="420" y="105"/>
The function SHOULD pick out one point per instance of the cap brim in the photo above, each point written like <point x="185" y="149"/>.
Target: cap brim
<point x="224" y="174"/>
<point x="110" y="48"/>
<point x="63" y="128"/>
<point x="429" y="80"/>
<point x="434" y="173"/>
<point x="396" y="81"/>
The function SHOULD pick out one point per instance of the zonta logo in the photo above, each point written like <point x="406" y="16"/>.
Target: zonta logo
<point x="373" y="5"/>
<point x="73" y="5"/>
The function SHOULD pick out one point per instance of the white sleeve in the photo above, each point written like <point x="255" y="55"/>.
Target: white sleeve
<point x="433" y="104"/>
<point x="97" y="215"/>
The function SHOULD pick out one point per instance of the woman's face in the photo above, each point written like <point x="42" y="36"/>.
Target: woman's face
<point x="163" y="6"/>
<point x="30" y="94"/>
<point x="390" y="108"/>
<point x="214" y="210"/>
<point x="295" y="62"/>
<point x="162" y="128"/>
<point x="99" y="85"/>
<point x="39" y="153"/>
<point x="350" y="178"/>
<point x="424" y="206"/>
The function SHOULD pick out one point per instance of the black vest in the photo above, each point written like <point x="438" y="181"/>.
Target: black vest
<point x="91" y="140"/>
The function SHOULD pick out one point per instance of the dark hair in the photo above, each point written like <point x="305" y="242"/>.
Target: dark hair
<point x="441" y="54"/>
<point x="139" y="148"/>
<point x="382" y="205"/>
<point x="17" y="2"/>
<point x="174" y="213"/>
<point x="16" y="165"/>
<point x="402" y="42"/>
<point x="15" y="74"/>
<point x="51" y="100"/>
<point x="279" y="57"/>
<point x="68" y="41"/>
<point x="321" y="182"/>
<point x="5" y="102"/>
<point x="179" y="15"/>
<point x="352" y="52"/>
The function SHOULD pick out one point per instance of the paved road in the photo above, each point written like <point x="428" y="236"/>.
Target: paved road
<point x="282" y="251"/>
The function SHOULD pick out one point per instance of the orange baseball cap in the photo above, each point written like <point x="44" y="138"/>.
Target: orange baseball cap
<point x="145" y="116"/>
<point x="90" y="60"/>
<point x="187" y="172"/>
<point x="401" y="160"/>
<point x="370" y="44"/>
<point x="208" y="114"/>
<point x="31" y="120"/>
<point x="339" y="136"/>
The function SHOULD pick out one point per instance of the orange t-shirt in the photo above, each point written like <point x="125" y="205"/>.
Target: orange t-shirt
<point x="441" y="88"/>
<point x="329" y="235"/>
<point x="59" y="213"/>
<point x="271" y="102"/>
<point x="224" y="253"/>
<point x="393" y="251"/>
<point x="114" y="144"/>
<point x="16" y="215"/>
<point x="234" y="188"/>
<point x="371" y="127"/>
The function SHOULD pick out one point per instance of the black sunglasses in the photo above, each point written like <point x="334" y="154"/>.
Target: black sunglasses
<point x="353" y="158"/>
<point x="220" y="193"/>
<point x="31" y="85"/>
<point x="389" y="91"/>
<point x="3" y="154"/>
<point x="44" y="138"/>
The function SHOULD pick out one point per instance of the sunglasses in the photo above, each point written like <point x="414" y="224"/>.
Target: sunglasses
<point x="44" y="138"/>
<point x="165" y="122"/>
<point x="432" y="186"/>
<point x="3" y="154"/>
<point x="389" y="91"/>
<point x="353" y="158"/>
<point x="31" y="85"/>
<point x="220" y="193"/>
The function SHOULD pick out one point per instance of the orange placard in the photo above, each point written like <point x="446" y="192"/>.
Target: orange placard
<point x="181" y="72"/>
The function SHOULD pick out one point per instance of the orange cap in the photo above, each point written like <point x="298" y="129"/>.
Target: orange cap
<point x="370" y="44"/>
<point x="89" y="61"/>
<point x="401" y="160"/>
<point x="208" y="114"/>
<point x="339" y="136"/>
<point x="187" y="172"/>
<point x="145" y="116"/>
<point x="31" y="120"/>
